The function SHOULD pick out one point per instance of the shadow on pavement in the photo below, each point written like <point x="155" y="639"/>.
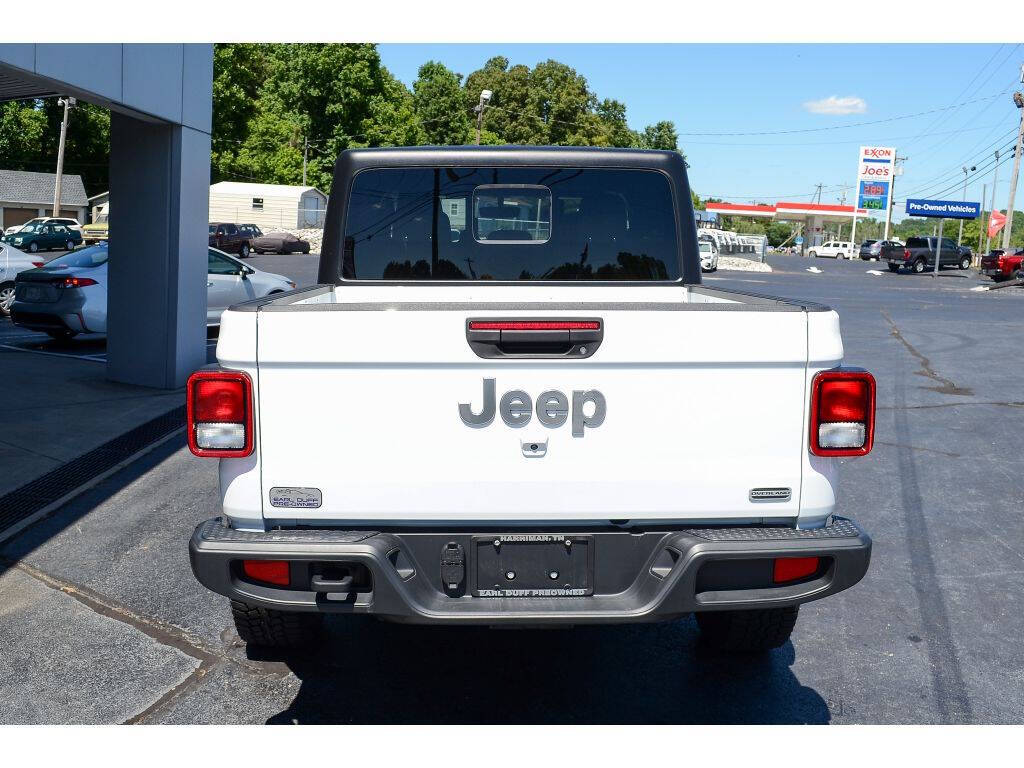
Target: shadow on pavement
<point x="375" y="672"/>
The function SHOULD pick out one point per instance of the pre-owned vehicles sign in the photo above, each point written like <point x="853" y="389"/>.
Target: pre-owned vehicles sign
<point x="943" y="209"/>
<point x="875" y="167"/>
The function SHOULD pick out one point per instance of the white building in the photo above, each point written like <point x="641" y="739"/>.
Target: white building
<point x="268" y="206"/>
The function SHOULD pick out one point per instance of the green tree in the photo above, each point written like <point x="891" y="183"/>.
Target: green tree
<point x="661" y="135"/>
<point x="392" y="119"/>
<point x="438" y="101"/>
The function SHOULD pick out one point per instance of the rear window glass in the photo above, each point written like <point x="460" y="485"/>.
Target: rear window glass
<point x="84" y="257"/>
<point x="917" y="242"/>
<point x="510" y="224"/>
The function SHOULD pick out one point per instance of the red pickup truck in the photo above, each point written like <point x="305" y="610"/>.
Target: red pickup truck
<point x="1001" y="266"/>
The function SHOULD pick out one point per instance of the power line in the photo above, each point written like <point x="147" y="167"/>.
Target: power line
<point x="945" y="176"/>
<point x="939" y="120"/>
<point x="980" y="170"/>
<point x="845" y="125"/>
<point x="824" y="143"/>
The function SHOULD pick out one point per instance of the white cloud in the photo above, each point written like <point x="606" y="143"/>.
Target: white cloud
<point x="837" y="105"/>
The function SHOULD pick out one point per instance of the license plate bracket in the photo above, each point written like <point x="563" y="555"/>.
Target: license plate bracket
<point x="534" y="565"/>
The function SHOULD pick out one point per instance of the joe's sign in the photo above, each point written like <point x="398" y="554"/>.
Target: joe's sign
<point x="874" y="173"/>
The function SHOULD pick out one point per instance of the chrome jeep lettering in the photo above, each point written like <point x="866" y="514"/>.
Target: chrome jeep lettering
<point x="516" y="408"/>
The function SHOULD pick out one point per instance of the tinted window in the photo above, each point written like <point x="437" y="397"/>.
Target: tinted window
<point x="948" y="244"/>
<point x="510" y="224"/>
<point x="213" y="229"/>
<point x="231" y="229"/>
<point x="917" y="242"/>
<point x="84" y="257"/>
<point x="220" y="264"/>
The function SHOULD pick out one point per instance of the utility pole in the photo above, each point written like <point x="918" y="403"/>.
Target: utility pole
<point x="960" y="237"/>
<point x="305" y="156"/>
<point x="68" y="102"/>
<point x="984" y="226"/>
<point x="1018" y="99"/>
<point x="842" y="201"/>
<point x="897" y="169"/>
<point x="485" y="96"/>
<point x="992" y="207"/>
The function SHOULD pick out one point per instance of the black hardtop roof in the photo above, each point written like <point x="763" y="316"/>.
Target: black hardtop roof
<point x="509" y="155"/>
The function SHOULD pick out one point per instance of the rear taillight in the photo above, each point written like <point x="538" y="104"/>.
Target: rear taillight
<point x="219" y="407"/>
<point x="906" y="254"/>
<point x="38" y="264"/>
<point x="74" y="282"/>
<point x="842" y="413"/>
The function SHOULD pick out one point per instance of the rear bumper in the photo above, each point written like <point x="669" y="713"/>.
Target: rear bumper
<point x="638" y="575"/>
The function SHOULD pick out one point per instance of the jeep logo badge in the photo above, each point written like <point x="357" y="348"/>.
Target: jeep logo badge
<point x="516" y="408"/>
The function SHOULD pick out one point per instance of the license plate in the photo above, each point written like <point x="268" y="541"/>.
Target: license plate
<point x="32" y="294"/>
<point x="991" y="271"/>
<point x="534" y="565"/>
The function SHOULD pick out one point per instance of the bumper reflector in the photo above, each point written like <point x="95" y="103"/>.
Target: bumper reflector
<point x="220" y="435"/>
<point x="268" y="571"/>
<point x="841" y="434"/>
<point x="792" y="568"/>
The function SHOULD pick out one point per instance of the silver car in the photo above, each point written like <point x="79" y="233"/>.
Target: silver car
<point x="68" y="295"/>
<point x="12" y="263"/>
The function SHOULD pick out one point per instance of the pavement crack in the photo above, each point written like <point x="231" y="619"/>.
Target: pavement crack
<point x="918" y="448"/>
<point x="946" y="386"/>
<point x="1009" y="404"/>
<point x="162" y="632"/>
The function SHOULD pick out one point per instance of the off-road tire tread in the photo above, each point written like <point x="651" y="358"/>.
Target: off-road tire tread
<point x="747" y="631"/>
<point x="267" y="628"/>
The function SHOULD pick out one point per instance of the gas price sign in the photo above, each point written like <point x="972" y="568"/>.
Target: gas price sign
<point x="875" y="167"/>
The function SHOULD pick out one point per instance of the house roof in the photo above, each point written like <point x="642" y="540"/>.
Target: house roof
<point x="37" y="188"/>
<point x="261" y="190"/>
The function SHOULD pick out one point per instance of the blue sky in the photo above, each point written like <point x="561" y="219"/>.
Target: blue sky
<point x="721" y="89"/>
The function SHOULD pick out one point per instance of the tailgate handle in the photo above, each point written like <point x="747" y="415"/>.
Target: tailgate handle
<point x="493" y="337"/>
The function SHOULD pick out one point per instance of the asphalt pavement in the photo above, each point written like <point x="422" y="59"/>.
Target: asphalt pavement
<point x="102" y="621"/>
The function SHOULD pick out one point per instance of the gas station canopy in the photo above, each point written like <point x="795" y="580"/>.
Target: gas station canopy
<point x="813" y="214"/>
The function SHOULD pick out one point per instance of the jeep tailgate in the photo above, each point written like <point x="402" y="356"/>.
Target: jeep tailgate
<point x="360" y="401"/>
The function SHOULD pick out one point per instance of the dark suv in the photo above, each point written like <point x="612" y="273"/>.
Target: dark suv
<point x="880" y="249"/>
<point x="919" y="255"/>
<point x="229" y="238"/>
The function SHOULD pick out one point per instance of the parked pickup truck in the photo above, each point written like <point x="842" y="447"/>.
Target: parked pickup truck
<point x="1000" y="265"/>
<point x="919" y="255"/>
<point x="509" y="424"/>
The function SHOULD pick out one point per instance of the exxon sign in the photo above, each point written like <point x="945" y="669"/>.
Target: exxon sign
<point x="875" y="167"/>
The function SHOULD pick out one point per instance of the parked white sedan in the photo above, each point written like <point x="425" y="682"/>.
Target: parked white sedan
<point x="68" y="295"/>
<point x="708" y="256"/>
<point x="13" y="261"/>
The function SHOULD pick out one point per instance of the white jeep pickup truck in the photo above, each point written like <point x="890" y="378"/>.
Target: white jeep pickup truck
<point x="511" y="401"/>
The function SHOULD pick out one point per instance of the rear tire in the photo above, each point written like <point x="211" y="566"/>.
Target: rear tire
<point x="813" y="254"/>
<point x="267" y="628"/>
<point x="965" y="262"/>
<point x="244" y="253"/>
<point x="6" y="299"/>
<point x="747" y="631"/>
<point x="919" y="266"/>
